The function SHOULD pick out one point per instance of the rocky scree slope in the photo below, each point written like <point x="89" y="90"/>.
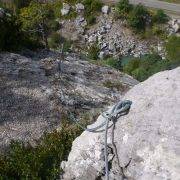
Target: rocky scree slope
<point x="109" y="33"/>
<point x="31" y="98"/>
<point x="147" y="139"/>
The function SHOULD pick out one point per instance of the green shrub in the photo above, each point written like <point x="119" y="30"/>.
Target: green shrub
<point x="160" y="17"/>
<point x="142" y="68"/>
<point x="71" y="15"/>
<point x="173" y="48"/>
<point x="93" y="52"/>
<point x="92" y="6"/>
<point x="138" y="18"/>
<point x="67" y="45"/>
<point x="123" y="8"/>
<point x="55" y="40"/>
<point x="159" y="31"/>
<point x="10" y="33"/>
<point x="91" y="20"/>
<point x="42" y="161"/>
<point x="91" y="9"/>
<point x="57" y="6"/>
<point x="72" y="1"/>
<point x="132" y="65"/>
<point x="36" y="19"/>
<point x="112" y="62"/>
<point x="54" y="25"/>
<point x="140" y="74"/>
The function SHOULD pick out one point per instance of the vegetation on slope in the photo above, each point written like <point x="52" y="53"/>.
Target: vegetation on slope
<point x="41" y="161"/>
<point x="139" y="18"/>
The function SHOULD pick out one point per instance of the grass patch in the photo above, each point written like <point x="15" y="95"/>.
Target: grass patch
<point x="144" y="67"/>
<point x="110" y="62"/>
<point x="93" y="51"/>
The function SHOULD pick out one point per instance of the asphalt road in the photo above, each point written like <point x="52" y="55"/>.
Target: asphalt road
<point x="170" y="7"/>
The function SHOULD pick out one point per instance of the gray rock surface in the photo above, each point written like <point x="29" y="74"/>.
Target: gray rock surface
<point x="147" y="139"/>
<point x="66" y="8"/>
<point x="105" y="9"/>
<point x="79" y="7"/>
<point x="30" y="95"/>
<point x="176" y="25"/>
<point x="118" y="39"/>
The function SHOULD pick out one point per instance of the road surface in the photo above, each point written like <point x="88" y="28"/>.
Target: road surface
<point x="170" y="7"/>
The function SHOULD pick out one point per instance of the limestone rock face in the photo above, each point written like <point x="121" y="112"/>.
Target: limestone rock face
<point x="176" y="25"/>
<point x="30" y="95"/>
<point x="65" y="10"/>
<point x="105" y="9"/>
<point x="147" y="139"/>
<point x="79" y="7"/>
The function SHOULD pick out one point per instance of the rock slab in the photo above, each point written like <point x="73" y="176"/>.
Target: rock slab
<point x="31" y="99"/>
<point x="147" y="139"/>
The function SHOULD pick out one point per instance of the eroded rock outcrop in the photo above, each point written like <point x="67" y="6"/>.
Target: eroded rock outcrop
<point x="147" y="139"/>
<point x="30" y="95"/>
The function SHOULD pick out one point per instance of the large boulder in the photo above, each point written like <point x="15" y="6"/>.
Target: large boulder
<point x="147" y="139"/>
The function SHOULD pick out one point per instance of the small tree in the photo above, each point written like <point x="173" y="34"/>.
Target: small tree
<point x="138" y="18"/>
<point x="160" y="17"/>
<point x="35" y="20"/>
<point x="9" y="33"/>
<point x="123" y="8"/>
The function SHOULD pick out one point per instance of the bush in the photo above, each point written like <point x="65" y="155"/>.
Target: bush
<point x="67" y="45"/>
<point x="57" y="5"/>
<point x="112" y="62"/>
<point x="138" y="18"/>
<point x="54" y="25"/>
<point x="123" y="8"/>
<point x="160" y="17"/>
<point x="10" y="33"/>
<point x="42" y="161"/>
<point x="91" y="20"/>
<point x="55" y="40"/>
<point x="173" y="49"/>
<point x="131" y="65"/>
<point x="93" y="52"/>
<point x="92" y="6"/>
<point x="142" y="68"/>
<point x="36" y="20"/>
<point x="159" y="30"/>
